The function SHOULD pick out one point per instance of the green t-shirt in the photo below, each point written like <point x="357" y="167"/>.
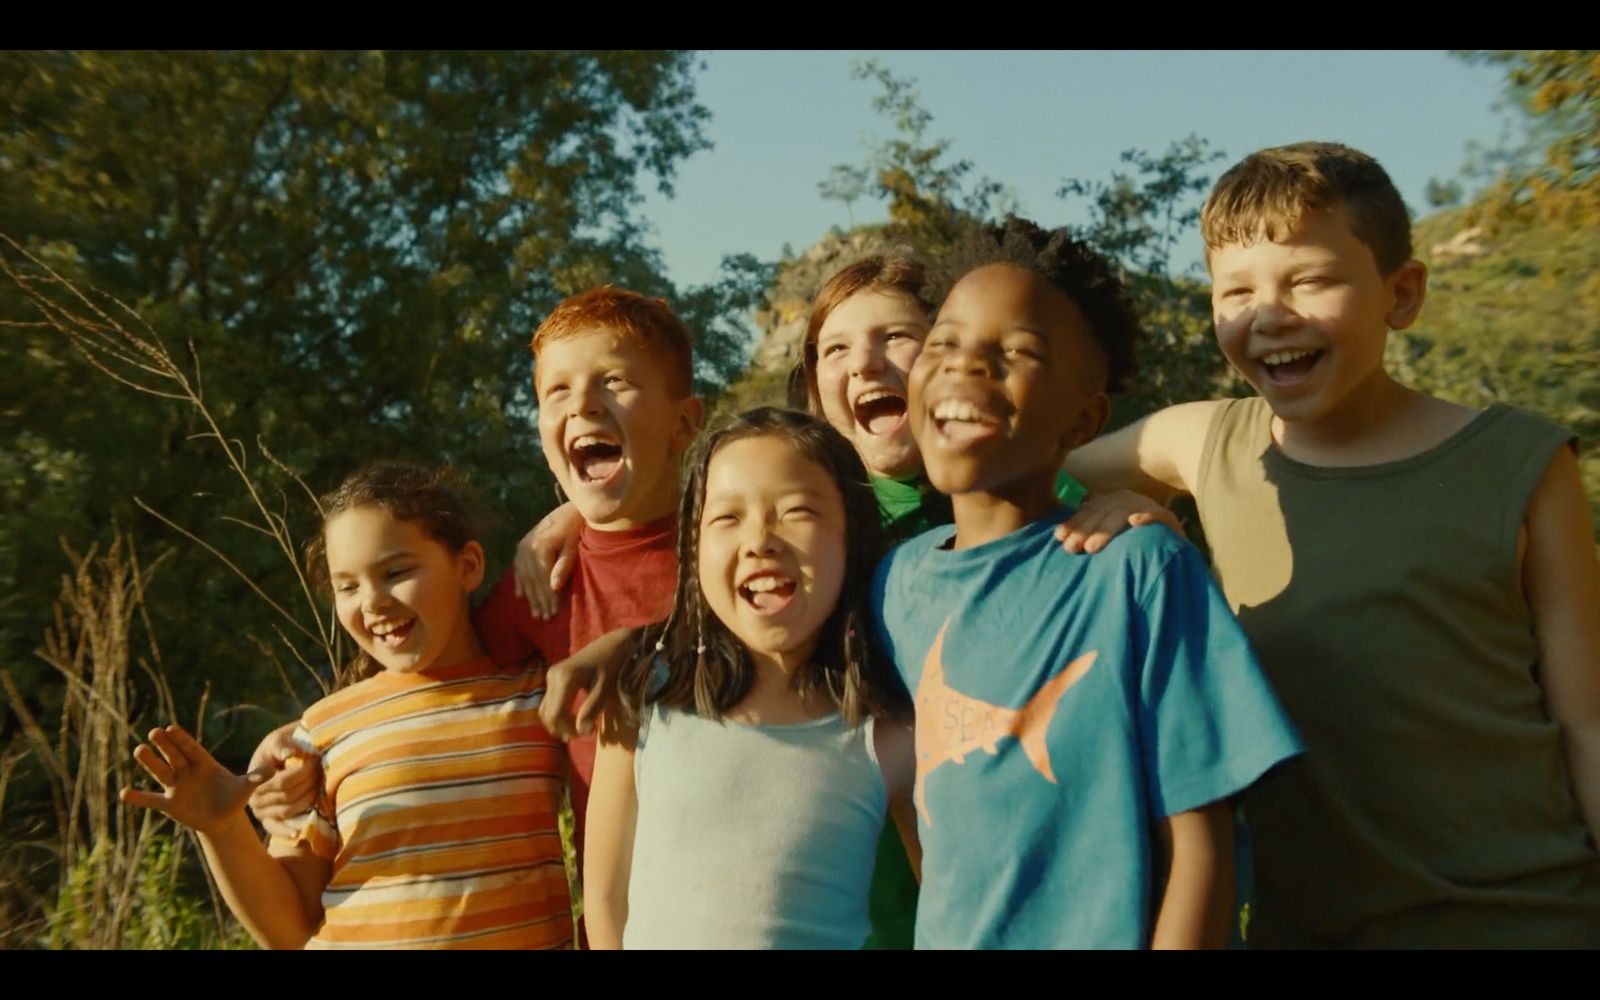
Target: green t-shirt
<point x="909" y="506"/>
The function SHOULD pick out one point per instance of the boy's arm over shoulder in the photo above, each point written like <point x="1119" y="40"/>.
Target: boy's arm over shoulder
<point x="1562" y="582"/>
<point x="506" y="627"/>
<point x="1157" y="455"/>
<point x="1210" y="723"/>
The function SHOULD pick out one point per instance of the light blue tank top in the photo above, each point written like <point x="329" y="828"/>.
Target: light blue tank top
<point x="752" y="836"/>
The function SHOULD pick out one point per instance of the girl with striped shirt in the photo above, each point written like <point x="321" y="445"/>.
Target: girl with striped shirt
<point x="436" y="822"/>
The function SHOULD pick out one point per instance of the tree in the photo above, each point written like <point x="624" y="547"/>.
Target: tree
<point x="845" y="184"/>
<point x="1137" y="220"/>
<point x="1559" y="89"/>
<point x="357" y="245"/>
<point x="928" y="193"/>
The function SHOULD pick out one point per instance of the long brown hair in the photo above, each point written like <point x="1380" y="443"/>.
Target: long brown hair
<point x="707" y="669"/>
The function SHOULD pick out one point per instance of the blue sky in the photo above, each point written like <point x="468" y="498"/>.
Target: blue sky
<point x="781" y="120"/>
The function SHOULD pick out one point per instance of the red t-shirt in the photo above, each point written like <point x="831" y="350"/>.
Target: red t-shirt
<point x="623" y="579"/>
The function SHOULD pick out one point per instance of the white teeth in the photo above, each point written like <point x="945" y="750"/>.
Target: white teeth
<point x="762" y="584"/>
<point x="955" y="409"/>
<point x="381" y="629"/>
<point x="1284" y="357"/>
<point x="874" y="395"/>
<point x="588" y="440"/>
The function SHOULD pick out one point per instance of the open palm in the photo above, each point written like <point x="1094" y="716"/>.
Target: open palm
<point x="195" y="790"/>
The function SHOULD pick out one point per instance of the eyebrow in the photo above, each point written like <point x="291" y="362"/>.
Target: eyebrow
<point x="387" y="557"/>
<point x="785" y="492"/>
<point x="1037" y="331"/>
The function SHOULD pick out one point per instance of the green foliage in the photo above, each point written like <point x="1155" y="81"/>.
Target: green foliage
<point x="1442" y="194"/>
<point x="1137" y="219"/>
<point x="1559" y="90"/>
<point x="1513" y="321"/>
<point x="928" y="193"/>
<point x="346" y="252"/>
<point x="168" y="912"/>
<point x="356" y="246"/>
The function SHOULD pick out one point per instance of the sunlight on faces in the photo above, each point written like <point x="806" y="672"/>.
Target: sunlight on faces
<point x="772" y="547"/>
<point x="1304" y="319"/>
<point x="611" y="427"/>
<point x="402" y="595"/>
<point x="865" y="350"/>
<point x="1007" y="383"/>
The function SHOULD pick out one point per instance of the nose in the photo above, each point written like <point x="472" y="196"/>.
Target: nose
<point x="967" y="361"/>
<point x="584" y="398"/>
<point x="375" y="599"/>
<point x="1271" y="315"/>
<point x="866" y="359"/>
<point x="758" y="539"/>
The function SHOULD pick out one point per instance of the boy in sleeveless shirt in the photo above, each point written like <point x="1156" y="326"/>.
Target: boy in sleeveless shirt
<point x="1418" y="579"/>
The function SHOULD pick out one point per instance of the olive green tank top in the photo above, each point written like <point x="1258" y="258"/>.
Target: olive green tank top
<point x="1433" y="806"/>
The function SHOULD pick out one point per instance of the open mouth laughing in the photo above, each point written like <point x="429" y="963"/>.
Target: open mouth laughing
<point x="1289" y="367"/>
<point x="880" y="412"/>
<point x="392" y="633"/>
<point x="595" y="457"/>
<point x="767" y="592"/>
<point x="962" y="422"/>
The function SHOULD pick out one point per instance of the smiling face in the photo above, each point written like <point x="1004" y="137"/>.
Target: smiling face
<point x="771" y="552"/>
<point x="1005" y="386"/>
<point x="401" y="594"/>
<point x="1304" y="319"/>
<point x="611" y="427"/>
<point x="865" y="350"/>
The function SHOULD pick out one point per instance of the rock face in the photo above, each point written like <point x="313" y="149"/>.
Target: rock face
<point x="783" y="326"/>
<point x="1466" y="243"/>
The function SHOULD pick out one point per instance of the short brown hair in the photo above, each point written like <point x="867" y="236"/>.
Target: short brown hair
<point x="647" y="319"/>
<point x="1268" y="193"/>
<point x="896" y="274"/>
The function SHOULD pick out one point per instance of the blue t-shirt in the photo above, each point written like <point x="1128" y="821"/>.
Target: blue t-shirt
<point x="1065" y="703"/>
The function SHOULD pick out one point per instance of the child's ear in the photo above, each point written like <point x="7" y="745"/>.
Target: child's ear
<point x="470" y="562"/>
<point x="691" y="415"/>
<point x="1089" y="421"/>
<point x="1410" y="285"/>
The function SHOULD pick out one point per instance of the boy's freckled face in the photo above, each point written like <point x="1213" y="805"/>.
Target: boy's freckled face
<point x="1002" y="386"/>
<point x="611" y="427"/>
<point x="1304" y="319"/>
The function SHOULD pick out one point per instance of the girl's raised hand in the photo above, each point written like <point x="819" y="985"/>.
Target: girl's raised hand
<point x="1104" y="516"/>
<point x="195" y="790"/>
<point x="544" y="560"/>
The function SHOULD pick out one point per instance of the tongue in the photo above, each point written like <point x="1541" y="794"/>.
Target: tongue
<point x="884" y="421"/>
<point x="766" y="600"/>
<point x="600" y="467"/>
<point x="962" y="431"/>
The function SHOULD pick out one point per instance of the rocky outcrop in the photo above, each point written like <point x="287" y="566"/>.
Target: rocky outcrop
<point x="1467" y="243"/>
<point x="783" y="326"/>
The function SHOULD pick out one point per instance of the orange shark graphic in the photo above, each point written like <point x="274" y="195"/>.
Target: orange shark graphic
<point x="951" y="725"/>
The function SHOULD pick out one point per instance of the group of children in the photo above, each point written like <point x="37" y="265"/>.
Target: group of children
<point x="1392" y="666"/>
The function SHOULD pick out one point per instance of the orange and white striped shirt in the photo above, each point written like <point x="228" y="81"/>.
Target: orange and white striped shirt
<point x="438" y="813"/>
